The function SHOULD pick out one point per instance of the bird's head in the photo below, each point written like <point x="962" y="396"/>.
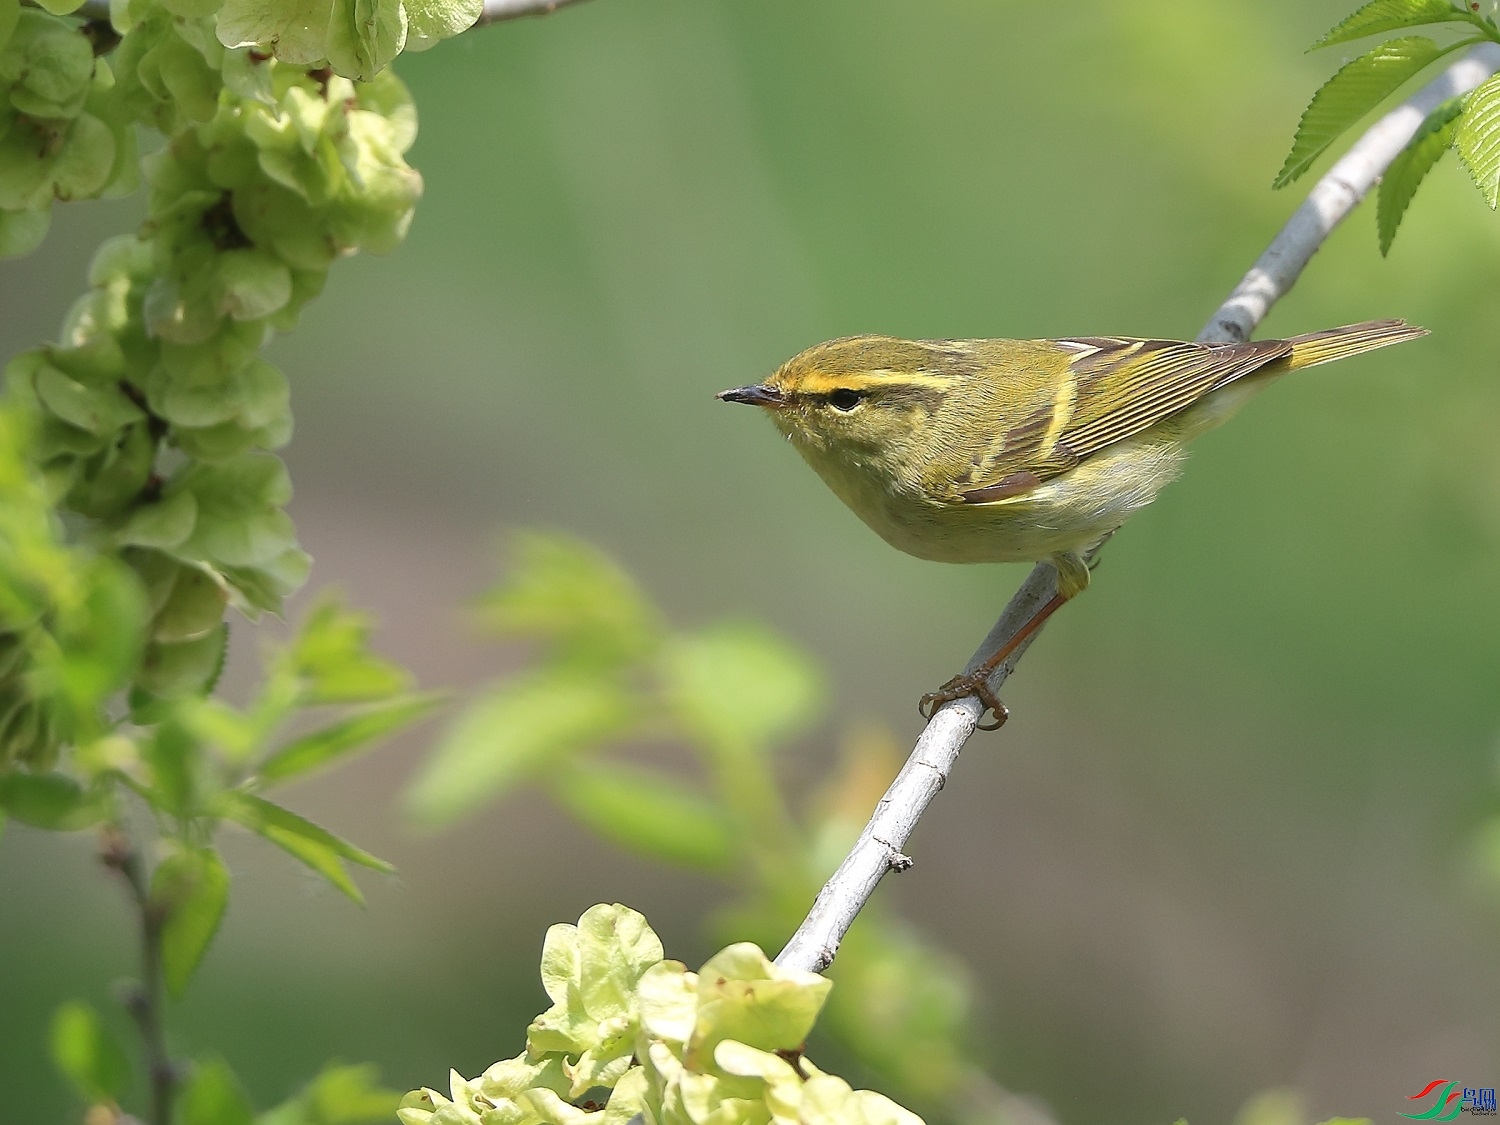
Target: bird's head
<point x="861" y="399"/>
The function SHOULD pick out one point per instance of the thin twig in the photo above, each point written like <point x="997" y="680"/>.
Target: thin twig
<point x="147" y="1002"/>
<point x="880" y="847"/>
<point x="497" y="10"/>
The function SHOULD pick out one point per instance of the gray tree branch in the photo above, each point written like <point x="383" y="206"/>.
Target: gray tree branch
<point x="497" y="10"/>
<point x="880" y="847"/>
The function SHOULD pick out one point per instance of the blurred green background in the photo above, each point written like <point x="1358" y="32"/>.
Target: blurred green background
<point x="1219" y="847"/>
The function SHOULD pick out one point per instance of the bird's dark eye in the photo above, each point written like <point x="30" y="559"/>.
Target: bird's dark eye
<point x="845" y="399"/>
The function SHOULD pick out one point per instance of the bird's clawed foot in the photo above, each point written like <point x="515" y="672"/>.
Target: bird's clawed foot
<point x="967" y="683"/>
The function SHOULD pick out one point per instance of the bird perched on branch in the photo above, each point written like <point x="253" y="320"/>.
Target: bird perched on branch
<point x="1019" y="450"/>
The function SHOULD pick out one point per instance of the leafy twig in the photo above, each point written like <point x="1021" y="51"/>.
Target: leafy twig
<point x="147" y="1003"/>
<point x="880" y="846"/>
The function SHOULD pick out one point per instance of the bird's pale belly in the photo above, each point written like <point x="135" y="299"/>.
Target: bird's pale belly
<point x="1067" y="513"/>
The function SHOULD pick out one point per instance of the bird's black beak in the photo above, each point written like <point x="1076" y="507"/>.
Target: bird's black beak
<point x="757" y="394"/>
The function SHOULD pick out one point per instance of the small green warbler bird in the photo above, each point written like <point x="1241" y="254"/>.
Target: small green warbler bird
<point x="1019" y="450"/>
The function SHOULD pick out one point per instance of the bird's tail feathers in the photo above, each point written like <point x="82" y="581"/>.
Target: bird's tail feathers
<point x="1338" y="343"/>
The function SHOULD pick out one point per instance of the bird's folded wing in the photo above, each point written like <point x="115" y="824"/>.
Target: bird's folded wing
<point x="1113" y="388"/>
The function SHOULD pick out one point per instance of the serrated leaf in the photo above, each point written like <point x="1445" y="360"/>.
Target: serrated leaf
<point x="1401" y="180"/>
<point x="337" y="740"/>
<point x="213" y="1096"/>
<point x="317" y="847"/>
<point x="1357" y="88"/>
<point x="191" y="889"/>
<point x="1478" y="139"/>
<point x="648" y="812"/>
<point x="1389" y="15"/>
<point x="509" y="735"/>
<point x="741" y="685"/>
<point x="85" y="1051"/>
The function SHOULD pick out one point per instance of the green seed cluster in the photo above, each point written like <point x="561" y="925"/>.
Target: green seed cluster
<point x="63" y="131"/>
<point x="154" y="420"/>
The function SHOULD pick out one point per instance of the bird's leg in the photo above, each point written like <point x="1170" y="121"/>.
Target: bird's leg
<point x="1072" y="577"/>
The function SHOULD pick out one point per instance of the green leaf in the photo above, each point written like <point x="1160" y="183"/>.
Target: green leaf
<point x="357" y="732"/>
<point x="1357" y="88"/>
<point x="317" y="847"/>
<point x="1389" y="15"/>
<point x="49" y="800"/>
<point x="570" y="593"/>
<point x="647" y="812"/>
<point x="175" y="759"/>
<point x="339" y="1095"/>
<point x="213" y="1096"/>
<point x="1478" y="139"/>
<point x="1401" y="180"/>
<point x="87" y="1054"/>
<point x="512" y="734"/>
<point x="100" y="645"/>
<point x="191" y="888"/>
<point x="331" y="652"/>
<point x="741" y="685"/>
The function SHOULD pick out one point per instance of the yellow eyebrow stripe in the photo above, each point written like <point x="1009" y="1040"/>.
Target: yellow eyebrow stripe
<point x="819" y="382"/>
